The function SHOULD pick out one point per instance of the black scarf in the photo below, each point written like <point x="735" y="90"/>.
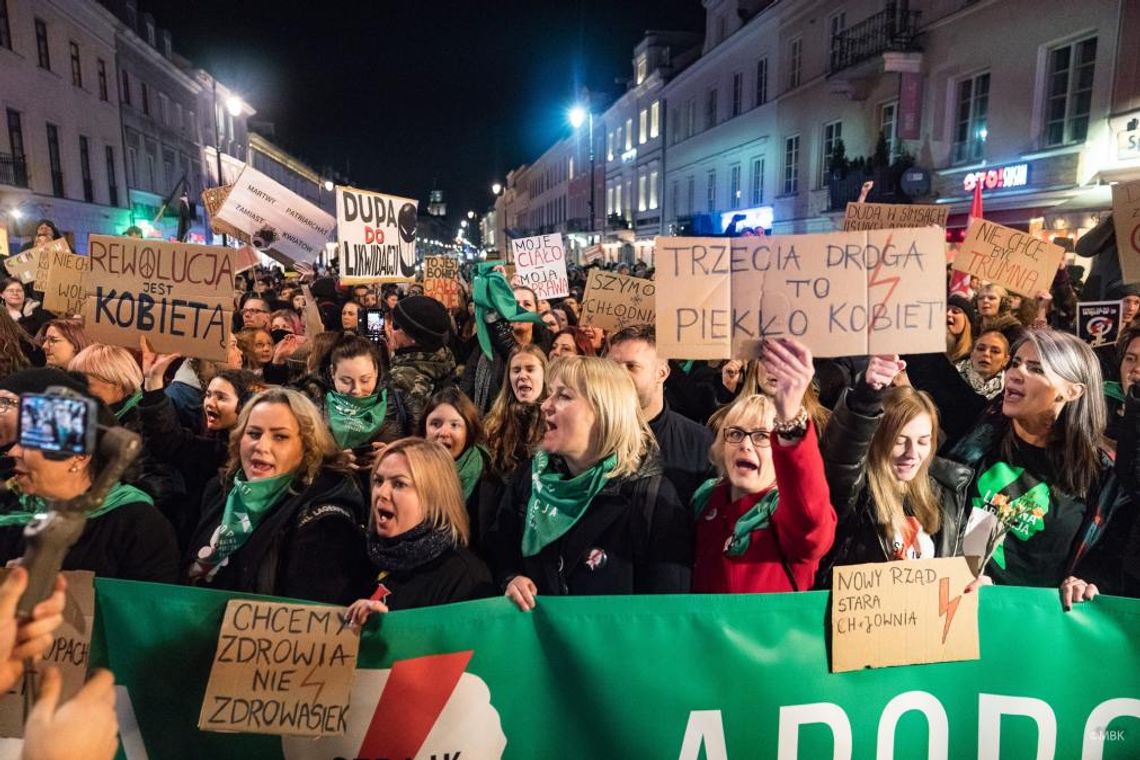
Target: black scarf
<point x="409" y="550"/>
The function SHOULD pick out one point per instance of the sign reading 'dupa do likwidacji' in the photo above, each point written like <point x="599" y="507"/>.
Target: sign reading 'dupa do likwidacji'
<point x="891" y="216"/>
<point x="281" y="669"/>
<point x="275" y="218"/>
<point x="541" y="262"/>
<point x="615" y="301"/>
<point x="178" y="295"/>
<point x="902" y="613"/>
<point x="840" y="293"/>
<point x="1011" y="258"/>
<point x="376" y="237"/>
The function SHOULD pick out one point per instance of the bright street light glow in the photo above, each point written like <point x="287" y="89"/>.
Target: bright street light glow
<point x="496" y="188"/>
<point x="463" y="224"/>
<point x="577" y="116"/>
<point x="329" y="185"/>
<point x="17" y="214"/>
<point x="234" y="105"/>
<point x="470" y="214"/>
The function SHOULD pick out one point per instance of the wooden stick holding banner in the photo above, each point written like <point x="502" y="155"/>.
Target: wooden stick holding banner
<point x="376" y="237"/>
<point x="177" y="295"/>
<point x="1011" y="258"/>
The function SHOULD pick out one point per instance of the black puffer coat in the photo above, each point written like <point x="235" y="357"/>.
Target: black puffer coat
<point x="846" y="441"/>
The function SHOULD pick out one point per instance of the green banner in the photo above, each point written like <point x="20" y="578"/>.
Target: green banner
<point x="688" y="677"/>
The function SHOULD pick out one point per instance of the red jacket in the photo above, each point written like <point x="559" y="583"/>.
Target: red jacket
<point x="804" y="522"/>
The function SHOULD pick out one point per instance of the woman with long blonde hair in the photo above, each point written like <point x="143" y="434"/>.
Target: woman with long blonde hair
<point x="894" y="498"/>
<point x="591" y="512"/>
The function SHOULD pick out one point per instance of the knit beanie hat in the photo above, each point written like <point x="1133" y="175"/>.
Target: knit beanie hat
<point x="424" y="319"/>
<point x="967" y="306"/>
<point x="39" y="379"/>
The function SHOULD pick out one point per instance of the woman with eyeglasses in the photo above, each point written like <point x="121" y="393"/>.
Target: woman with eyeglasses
<point x="61" y="340"/>
<point x="766" y="522"/>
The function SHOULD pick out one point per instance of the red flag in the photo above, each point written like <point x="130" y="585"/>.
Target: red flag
<point x="960" y="281"/>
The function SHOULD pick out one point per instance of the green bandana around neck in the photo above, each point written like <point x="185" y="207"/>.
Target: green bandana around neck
<point x="1114" y="391"/>
<point x="556" y="502"/>
<point x="247" y="504"/>
<point x="469" y="466"/>
<point x="491" y="292"/>
<point x="128" y="405"/>
<point x="756" y="518"/>
<point x="355" y="420"/>
<point x="120" y="494"/>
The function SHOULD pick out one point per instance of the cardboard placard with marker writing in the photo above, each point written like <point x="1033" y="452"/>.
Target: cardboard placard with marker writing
<point x="541" y="262"/>
<point x="1016" y="260"/>
<point x="275" y="218"/>
<point x="376" y="237"/>
<point x="178" y="295"/>
<point x="903" y="613"/>
<point x="840" y="293"/>
<point x="440" y="283"/>
<point x="1126" y="222"/>
<point x="892" y="216"/>
<point x="64" y="288"/>
<point x="26" y="266"/>
<point x="281" y="669"/>
<point x="69" y="649"/>
<point x="615" y="301"/>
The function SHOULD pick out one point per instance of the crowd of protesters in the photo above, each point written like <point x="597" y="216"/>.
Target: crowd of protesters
<point x="368" y="447"/>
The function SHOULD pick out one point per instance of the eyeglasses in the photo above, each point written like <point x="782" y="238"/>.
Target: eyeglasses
<point x="760" y="438"/>
<point x="255" y="311"/>
<point x="53" y="341"/>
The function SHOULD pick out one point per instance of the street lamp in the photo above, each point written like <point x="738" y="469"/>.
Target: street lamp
<point x="578" y="115"/>
<point x="470" y="214"/>
<point x="328" y="185"/>
<point x="234" y="106"/>
<point x="463" y="224"/>
<point x="496" y="188"/>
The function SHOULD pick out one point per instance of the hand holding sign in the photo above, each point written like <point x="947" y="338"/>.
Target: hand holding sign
<point x="789" y="362"/>
<point x="882" y="370"/>
<point x="154" y="365"/>
<point x="85" y="726"/>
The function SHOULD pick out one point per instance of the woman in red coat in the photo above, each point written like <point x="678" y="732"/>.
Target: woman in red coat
<point x="767" y="521"/>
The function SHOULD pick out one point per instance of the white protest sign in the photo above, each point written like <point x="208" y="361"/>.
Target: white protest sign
<point x="275" y="217"/>
<point x="376" y="237"/>
<point x="841" y="293"/>
<point x="541" y="265"/>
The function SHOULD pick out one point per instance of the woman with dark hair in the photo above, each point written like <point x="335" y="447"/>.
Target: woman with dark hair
<point x="571" y="342"/>
<point x="197" y="457"/>
<point x="284" y="518"/>
<point x="894" y="498"/>
<point x="125" y="537"/>
<point x="418" y="534"/>
<point x="451" y="419"/>
<point x="61" y="340"/>
<point x="961" y="327"/>
<point x="1037" y="457"/>
<point x="16" y="347"/>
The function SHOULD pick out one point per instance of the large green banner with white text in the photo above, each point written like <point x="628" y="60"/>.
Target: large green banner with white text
<point x="678" y="677"/>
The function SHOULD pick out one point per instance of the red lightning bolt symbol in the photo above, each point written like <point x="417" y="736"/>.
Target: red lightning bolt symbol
<point x="946" y="605"/>
<point x="875" y="281"/>
<point x="306" y="683"/>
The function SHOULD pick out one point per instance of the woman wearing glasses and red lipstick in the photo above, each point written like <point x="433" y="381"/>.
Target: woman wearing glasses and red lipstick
<point x="766" y="522"/>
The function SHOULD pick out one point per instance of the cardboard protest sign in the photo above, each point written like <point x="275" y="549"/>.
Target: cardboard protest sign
<point x="3" y="241"/>
<point x="1126" y="222"/>
<point x="275" y="218"/>
<point x="541" y="262"/>
<point x="70" y="645"/>
<point x="439" y="280"/>
<point x="902" y="613"/>
<point x="1098" y="322"/>
<point x="25" y="266"/>
<point x="280" y="669"/>
<point x="212" y="200"/>
<point x="376" y="237"/>
<point x="614" y="301"/>
<point x="64" y="288"/>
<point x="178" y="295"/>
<point x="593" y="253"/>
<point x="1011" y="258"/>
<point x="246" y="258"/>
<point x="892" y="216"/>
<point x="841" y="293"/>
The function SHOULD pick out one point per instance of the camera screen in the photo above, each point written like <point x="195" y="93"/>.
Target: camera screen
<point x="375" y="322"/>
<point x="54" y="423"/>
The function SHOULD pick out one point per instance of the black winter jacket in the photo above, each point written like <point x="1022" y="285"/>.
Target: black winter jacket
<point x="846" y="441"/>
<point x="454" y="576"/>
<point x="311" y="546"/>
<point x="634" y="538"/>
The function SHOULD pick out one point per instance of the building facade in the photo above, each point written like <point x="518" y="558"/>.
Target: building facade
<point x="61" y="152"/>
<point x="282" y="167"/>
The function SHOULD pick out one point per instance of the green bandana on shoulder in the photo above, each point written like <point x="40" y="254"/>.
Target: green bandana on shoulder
<point x="120" y="494"/>
<point x="469" y="467"/>
<point x="556" y="502"/>
<point x="353" y="421"/>
<point x="756" y="518"/>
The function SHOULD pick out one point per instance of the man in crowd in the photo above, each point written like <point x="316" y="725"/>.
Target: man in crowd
<point x="418" y="333"/>
<point x="255" y="313"/>
<point x="684" y="444"/>
<point x="350" y="317"/>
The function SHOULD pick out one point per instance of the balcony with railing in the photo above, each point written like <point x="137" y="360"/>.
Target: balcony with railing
<point x="891" y="30"/>
<point x="13" y="170"/>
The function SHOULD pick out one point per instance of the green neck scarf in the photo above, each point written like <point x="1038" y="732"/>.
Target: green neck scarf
<point x="492" y="293"/>
<point x="470" y="469"/>
<point x="354" y="420"/>
<point x="120" y="494"/>
<point x="1114" y="391"/>
<point x="556" y="502"/>
<point x="755" y="518"/>
<point x="247" y="504"/>
<point x="687" y="366"/>
<point x="128" y="405"/>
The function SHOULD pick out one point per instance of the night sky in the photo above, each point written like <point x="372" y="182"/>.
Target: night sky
<point x="409" y="94"/>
